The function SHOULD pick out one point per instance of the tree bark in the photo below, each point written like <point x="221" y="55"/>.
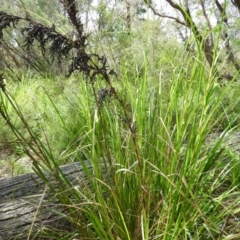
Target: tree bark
<point x="230" y="55"/>
<point x="236" y="3"/>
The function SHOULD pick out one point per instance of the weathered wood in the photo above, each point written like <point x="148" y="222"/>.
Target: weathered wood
<point x="25" y="205"/>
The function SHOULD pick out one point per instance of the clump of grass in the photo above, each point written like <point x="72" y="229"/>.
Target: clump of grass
<point x="155" y="173"/>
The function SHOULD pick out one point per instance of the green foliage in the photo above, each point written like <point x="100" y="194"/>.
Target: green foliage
<point x="156" y="178"/>
<point x="154" y="142"/>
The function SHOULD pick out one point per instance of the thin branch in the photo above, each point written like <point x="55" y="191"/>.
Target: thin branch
<point x="162" y="15"/>
<point x="207" y="20"/>
<point x="186" y="15"/>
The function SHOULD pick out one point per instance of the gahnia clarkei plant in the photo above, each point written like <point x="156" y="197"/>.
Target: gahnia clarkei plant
<point x="155" y="172"/>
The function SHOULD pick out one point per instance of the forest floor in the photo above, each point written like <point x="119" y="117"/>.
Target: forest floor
<point x="12" y="165"/>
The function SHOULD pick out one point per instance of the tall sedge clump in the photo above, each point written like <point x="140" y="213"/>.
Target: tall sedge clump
<point x="152" y="169"/>
<point x="93" y="67"/>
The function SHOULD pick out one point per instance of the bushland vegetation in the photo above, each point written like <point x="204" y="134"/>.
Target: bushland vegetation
<point x="149" y="94"/>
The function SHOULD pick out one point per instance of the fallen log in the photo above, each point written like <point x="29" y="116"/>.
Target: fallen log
<point x="26" y="204"/>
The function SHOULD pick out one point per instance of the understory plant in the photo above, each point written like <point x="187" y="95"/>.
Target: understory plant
<point x="152" y="152"/>
<point x="152" y="167"/>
